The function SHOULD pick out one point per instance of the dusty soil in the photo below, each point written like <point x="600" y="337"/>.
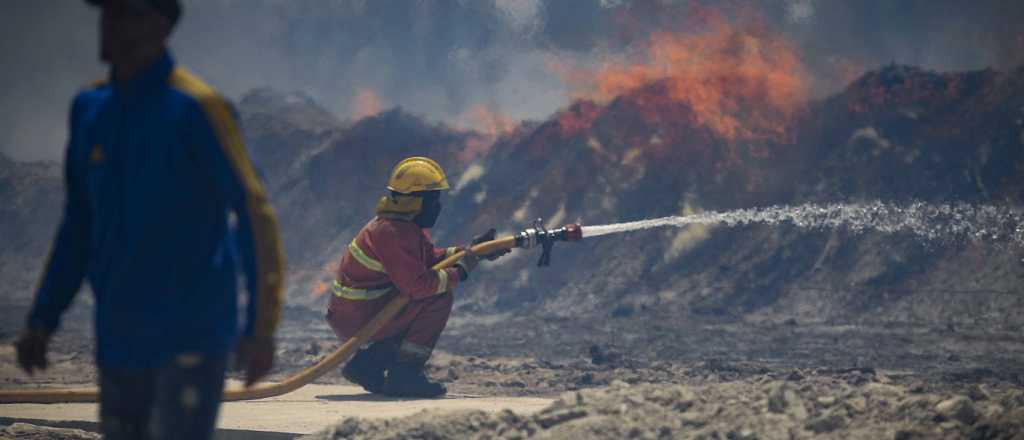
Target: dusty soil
<point x="642" y="375"/>
<point x="746" y="409"/>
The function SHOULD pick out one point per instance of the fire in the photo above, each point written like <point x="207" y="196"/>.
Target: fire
<point x="739" y="83"/>
<point x="319" y="289"/>
<point x="367" y="104"/>
<point x="323" y="284"/>
<point x="574" y="121"/>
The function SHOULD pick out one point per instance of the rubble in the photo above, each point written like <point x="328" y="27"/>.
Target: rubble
<point x="25" y="431"/>
<point x="734" y="410"/>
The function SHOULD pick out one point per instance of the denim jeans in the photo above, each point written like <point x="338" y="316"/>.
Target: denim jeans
<point x="177" y="401"/>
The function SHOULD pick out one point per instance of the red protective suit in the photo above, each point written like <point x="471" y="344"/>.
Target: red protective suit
<point x="398" y="253"/>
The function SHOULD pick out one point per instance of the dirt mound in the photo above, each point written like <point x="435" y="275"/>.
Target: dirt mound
<point x="25" y="431"/>
<point x="734" y="410"/>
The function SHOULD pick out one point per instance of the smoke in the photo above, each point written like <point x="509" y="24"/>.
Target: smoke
<point x="438" y="58"/>
<point x="444" y="58"/>
<point x="48" y="51"/>
<point x="839" y="40"/>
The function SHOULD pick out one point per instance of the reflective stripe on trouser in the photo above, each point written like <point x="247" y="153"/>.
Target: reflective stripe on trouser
<point x="418" y="325"/>
<point x="358" y="294"/>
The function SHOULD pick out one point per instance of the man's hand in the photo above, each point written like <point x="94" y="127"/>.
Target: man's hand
<point x="485" y="237"/>
<point x="31" y="348"/>
<point x="256" y="356"/>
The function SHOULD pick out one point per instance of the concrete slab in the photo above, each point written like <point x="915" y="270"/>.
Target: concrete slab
<point x="302" y="411"/>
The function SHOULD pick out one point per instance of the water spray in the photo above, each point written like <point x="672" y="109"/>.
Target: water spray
<point x="931" y="223"/>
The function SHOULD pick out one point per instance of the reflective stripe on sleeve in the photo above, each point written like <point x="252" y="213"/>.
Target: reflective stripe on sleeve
<point x="442" y="281"/>
<point x="364" y="259"/>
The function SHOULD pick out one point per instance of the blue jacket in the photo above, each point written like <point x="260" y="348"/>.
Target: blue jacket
<point x="155" y="167"/>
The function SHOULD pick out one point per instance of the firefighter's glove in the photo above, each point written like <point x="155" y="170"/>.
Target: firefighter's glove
<point x="489" y="236"/>
<point x="466" y="264"/>
<point x="31" y="348"/>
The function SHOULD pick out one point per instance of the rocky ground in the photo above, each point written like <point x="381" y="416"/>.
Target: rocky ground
<point x="811" y="407"/>
<point x="688" y="378"/>
<point x="26" y="431"/>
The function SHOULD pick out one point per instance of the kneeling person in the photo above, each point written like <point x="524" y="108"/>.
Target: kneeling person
<point x="392" y="255"/>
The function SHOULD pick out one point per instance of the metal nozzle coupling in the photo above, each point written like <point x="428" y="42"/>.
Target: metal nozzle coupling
<point x="572" y="232"/>
<point x="539" y="235"/>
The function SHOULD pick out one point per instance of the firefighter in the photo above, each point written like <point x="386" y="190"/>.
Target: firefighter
<point x="393" y="255"/>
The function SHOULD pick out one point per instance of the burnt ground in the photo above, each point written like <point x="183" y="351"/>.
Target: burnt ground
<point x="506" y="355"/>
<point x="642" y="351"/>
<point x="536" y="355"/>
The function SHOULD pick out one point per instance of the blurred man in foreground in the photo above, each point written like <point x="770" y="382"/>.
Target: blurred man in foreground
<point x="161" y="204"/>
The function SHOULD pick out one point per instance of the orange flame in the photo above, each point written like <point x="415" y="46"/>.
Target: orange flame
<point x="319" y="289"/>
<point x="326" y="275"/>
<point x="367" y="104"/>
<point x="739" y="83"/>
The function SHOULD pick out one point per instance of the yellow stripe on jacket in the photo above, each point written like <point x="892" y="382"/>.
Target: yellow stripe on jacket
<point x="266" y="243"/>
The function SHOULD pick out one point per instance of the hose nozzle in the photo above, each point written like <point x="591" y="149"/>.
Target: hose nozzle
<point x="537" y="234"/>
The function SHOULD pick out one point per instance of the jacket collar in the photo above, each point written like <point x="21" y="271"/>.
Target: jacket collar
<point x="150" y="78"/>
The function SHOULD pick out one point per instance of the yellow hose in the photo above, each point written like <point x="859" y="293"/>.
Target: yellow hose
<point x="260" y="391"/>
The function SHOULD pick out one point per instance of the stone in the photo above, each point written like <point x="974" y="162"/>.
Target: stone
<point x="826" y="401"/>
<point x="977" y="393"/>
<point x="829" y="421"/>
<point x="741" y="434"/>
<point x="783" y="400"/>
<point x="920" y="409"/>
<point x="777" y="398"/>
<point x="857" y="405"/>
<point x="912" y="434"/>
<point x="989" y="410"/>
<point x="693" y="419"/>
<point x="880" y="391"/>
<point x="552" y="418"/>
<point x="958" y="408"/>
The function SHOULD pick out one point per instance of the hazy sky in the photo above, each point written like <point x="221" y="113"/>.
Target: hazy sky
<point x="441" y="58"/>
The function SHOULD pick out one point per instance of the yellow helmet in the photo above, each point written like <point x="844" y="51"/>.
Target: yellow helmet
<point x="417" y="174"/>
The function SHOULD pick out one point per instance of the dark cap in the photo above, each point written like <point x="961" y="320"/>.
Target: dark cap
<point x="168" y="8"/>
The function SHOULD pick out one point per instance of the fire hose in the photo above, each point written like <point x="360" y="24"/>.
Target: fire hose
<point x="531" y="237"/>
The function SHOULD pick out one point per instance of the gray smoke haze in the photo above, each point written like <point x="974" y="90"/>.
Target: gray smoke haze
<point x="441" y="58"/>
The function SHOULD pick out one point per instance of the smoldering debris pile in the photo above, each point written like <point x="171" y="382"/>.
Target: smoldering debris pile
<point x="734" y="410"/>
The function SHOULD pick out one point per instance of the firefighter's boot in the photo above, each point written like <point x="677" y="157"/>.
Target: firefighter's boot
<point x="407" y="379"/>
<point x="367" y="367"/>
